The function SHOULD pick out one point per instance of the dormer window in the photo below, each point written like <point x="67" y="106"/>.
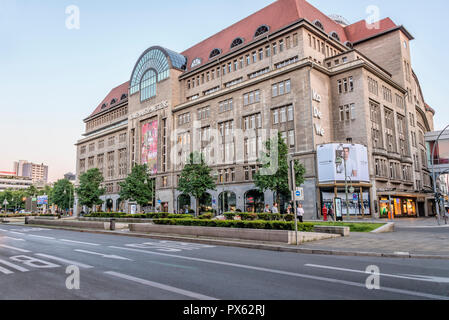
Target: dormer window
<point x="214" y="53"/>
<point x="124" y="96"/>
<point x="349" y="44"/>
<point x="334" y="35"/>
<point x="318" y="24"/>
<point x="237" y="42"/>
<point x="114" y="101"/>
<point x="104" y="106"/>
<point x="196" y="62"/>
<point x="261" y="30"/>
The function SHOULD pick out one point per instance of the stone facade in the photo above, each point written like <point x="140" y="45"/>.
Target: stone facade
<point x="362" y="93"/>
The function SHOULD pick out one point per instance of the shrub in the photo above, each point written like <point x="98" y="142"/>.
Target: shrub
<point x="205" y="216"/>
<point x="243" y="224"/>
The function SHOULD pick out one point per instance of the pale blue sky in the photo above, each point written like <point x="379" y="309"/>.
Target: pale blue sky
<point x="51" y="78"/>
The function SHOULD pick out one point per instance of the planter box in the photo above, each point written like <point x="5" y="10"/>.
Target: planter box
<point x="77" y="224"/>
<point x="279" y="236"/>
<point x="343" y="231"/>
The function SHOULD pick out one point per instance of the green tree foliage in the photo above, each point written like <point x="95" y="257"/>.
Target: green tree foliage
<point x="89" y="190"/>
<point x="278" y="182"/>
<point x="196" y="178"/>
<point x="63" y="194"/>
<point x="138" y="186"/>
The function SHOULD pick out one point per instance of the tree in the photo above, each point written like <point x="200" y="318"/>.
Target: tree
<point x="138" y="186"/>
<point x="63" y="194"/>
<point x="89" y="190"/>
<point x="278" y="182"/>
<point x="196" y="178"/>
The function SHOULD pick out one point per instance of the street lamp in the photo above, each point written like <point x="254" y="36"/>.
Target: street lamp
<point x="437" y="205"/>
<point x="5" y="203"/>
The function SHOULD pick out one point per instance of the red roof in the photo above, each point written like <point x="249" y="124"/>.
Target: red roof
<point x="278" y="15"/>
<point x="361" y="30"/>
<point x="116" y="94"/>
<point x="8" y="173"/>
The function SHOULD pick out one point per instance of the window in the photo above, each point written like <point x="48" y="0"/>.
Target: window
<point x="258" y="73"/>
<point x="214" y="53"/>
<point x="335" y="36"/>
<point x="91" y="147"/>
<point x="183" y="119"/>
<point x="148" y="85"/>
<point x="318" y="24"/>
<point x="260" y="54"/>
<point x="387" y="94"/>
<point x="254" y="57"/>
<point x="237" y="42"/>
<point x="111" y="141"/>
<point x="286" y="62"/>
<point x="248" y="60"/>
<point x="111" y="164"/>
<point x="281" y="88"/>
<point x="373" y="86"/>
<point x="251" y="97"/>
<point x="226" y="105"/>
<point x="291" y="138"/>
<point x="122" y="138"/>
<point x="100" y="144"/>
<point x="267" y="51"/>
<point x="261" y="30"/>
<point x="345" y="85"/>
<point x="283" y="114"/>
<point x="203" y="113"/>
<point x="274" y="48"/>
<point x="253" y="121"/>
<point x="281" y="45"/>
<point x="241" y="63"/>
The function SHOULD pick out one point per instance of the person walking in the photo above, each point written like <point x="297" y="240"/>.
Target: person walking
<point x="289" y="209"/>
<point x="267" y="209"/>
<point x="300" y="213"/>
<point x="275" y="210"/>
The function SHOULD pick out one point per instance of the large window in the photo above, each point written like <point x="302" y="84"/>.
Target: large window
<point x="148" y="85"/>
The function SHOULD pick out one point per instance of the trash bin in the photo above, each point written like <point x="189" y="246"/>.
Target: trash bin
<point x="112" y="224"/>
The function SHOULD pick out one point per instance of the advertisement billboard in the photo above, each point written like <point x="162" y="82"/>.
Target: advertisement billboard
<point x="149" y="145"/>
<point x="42" y="200"/>
<point x="336" y="160"/>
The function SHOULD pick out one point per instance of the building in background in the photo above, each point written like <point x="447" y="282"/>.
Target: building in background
<point x="70" y="176"/>
<point x="333" y="90"/>
<point x="10" y="181"/>
<point x="37" y="172"/>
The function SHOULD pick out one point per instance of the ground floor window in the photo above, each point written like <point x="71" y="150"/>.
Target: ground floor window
<point x="358" y="202"/>
<point x="227" y="202"/>
<point x="254" y="201"/>
<point x="184" y="204"/>
<point x="400" y="207"/>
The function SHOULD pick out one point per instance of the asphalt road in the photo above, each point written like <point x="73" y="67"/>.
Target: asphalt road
<point x="34" y="262"/>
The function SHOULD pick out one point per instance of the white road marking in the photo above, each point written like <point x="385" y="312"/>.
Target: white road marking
<point x="19" y="233"/>
<point x="107" y="256"/>
<point x="15" y="239"/>
<point x="310" y="277"/>
<point x="9" y="264"/>
<point x="49" y="238"/>
<point x="5" y="271"/>
<point x="409" y="277"/>
<point x="169" y="246"/>
<point x="161" y="286"/>
<point x="79" y="242"/>
<point x="13" y="248"/>
<point x="69" y="262"/>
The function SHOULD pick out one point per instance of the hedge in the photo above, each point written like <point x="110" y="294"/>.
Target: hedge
<point x="249" y="216"/>
<point x="160" y="215"/>
<point x="242" y="224"/>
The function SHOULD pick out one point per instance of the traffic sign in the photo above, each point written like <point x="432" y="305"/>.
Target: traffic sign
<point x="5" y="203"/>
<point x="299" y="194"/>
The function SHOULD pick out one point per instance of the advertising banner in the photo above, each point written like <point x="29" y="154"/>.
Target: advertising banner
<point x="42" y="200"/>
<point x="149" y="145"/>
<point x="336" y="160"/>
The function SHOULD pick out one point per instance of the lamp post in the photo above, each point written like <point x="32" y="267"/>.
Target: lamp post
<point x="434" y="176"/>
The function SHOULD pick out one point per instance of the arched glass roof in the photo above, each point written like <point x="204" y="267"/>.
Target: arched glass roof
<point x="159" y="59"/>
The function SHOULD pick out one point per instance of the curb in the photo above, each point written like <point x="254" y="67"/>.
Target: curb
<point x="259" y="246"/>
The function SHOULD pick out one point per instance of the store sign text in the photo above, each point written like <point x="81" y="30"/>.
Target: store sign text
<point x="151" y="109"/>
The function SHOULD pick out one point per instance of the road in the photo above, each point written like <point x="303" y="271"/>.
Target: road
<point x="34" y="262"/>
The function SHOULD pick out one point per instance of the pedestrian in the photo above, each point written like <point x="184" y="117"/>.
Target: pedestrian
<point x="300" y="213"/>
<point x="267" y="209"/>
<point x="275" y="210"/>
<point x="331" y="213"/>
<point x="289" y="209"/>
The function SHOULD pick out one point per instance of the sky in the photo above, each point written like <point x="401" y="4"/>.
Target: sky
<point x="52" y="77"/>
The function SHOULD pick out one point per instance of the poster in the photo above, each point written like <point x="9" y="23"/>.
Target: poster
<point x="337" y="161"/>
<point x="149" y="145"/>
<point x="355" y="207"/>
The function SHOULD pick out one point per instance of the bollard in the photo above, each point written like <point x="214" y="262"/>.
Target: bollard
<point x="26" y="220"/>
<point x="112" y="224"/>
